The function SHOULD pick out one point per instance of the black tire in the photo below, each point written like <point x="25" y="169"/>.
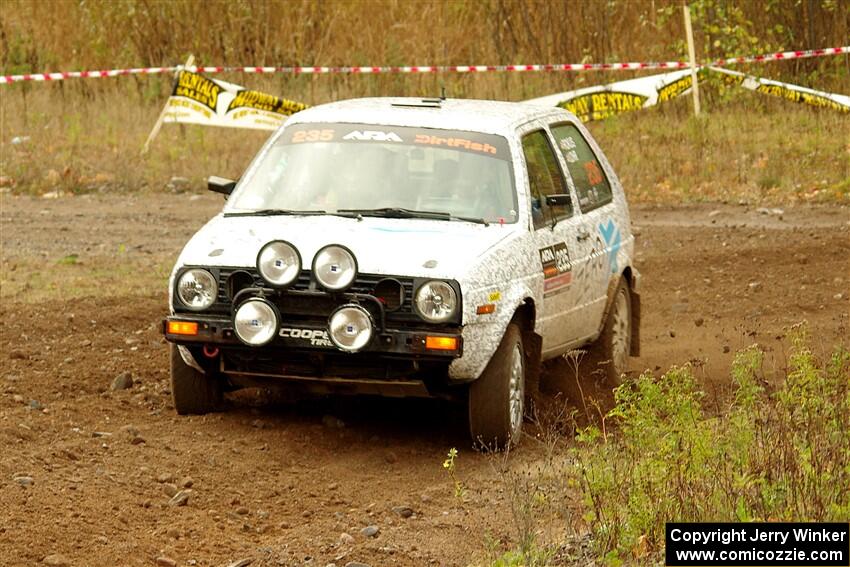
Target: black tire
<point x="193" y="392"/>
<point x="609" y="355"/>
<point x="490" y="406"/>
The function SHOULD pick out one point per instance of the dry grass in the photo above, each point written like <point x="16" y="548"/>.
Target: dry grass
<point x="748" y="150"/>
<point x="85" y="135"/>
<point x="36" y="34"/>
<point x="752" y="149"/>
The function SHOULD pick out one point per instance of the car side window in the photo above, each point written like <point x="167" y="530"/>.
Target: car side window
<point x="545" y="178"/>
<point x="591" y="184"/>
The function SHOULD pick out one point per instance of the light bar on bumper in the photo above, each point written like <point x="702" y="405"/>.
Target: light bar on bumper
<point x="315" y="337"/>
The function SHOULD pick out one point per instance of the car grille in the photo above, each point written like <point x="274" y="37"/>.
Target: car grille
<point x="231" y="280"/>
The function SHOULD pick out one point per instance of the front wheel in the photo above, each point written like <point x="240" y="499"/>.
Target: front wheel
<point x="497" y="398"/>
<point x="191" y="390"/>
<point x="610" y="353"/>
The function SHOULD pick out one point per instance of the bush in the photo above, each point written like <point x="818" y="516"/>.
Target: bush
<point x="779" y="454"/>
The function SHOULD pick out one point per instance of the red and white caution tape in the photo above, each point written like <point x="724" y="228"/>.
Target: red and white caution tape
<point x="367" y="70"/>
<point x="782" y="56"/>
<point x="84" y="74"/>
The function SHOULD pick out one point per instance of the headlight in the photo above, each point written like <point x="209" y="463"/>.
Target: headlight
<point x="334" y="267"/>
<point x="436" y="301"/>
<point x="255" y="322"/>
<point x="197" y="289"/>
<point x="350" y="328"/>
<point x="279" y="263"/>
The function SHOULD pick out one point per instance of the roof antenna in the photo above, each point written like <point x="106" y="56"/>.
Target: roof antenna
<point x="443" y="91"/>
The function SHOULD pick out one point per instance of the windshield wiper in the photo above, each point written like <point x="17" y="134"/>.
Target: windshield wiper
<point x="282" y="212"/>
<point x="471" y="219"/>
<point x="402" y="213"/>
<point x="397" y="213"/>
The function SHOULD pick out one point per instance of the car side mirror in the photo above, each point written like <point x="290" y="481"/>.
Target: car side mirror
<point x="220" y="185"/>
<point x="559" y="200"/>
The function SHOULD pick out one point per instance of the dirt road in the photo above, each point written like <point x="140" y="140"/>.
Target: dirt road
<point x="87" y="472"/>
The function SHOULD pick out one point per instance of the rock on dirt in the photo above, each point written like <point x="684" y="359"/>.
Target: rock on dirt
<point x="370" y="531"/>
<point x="123" y="381"/>
<point x="403" y="511"/>
<point x="346" y="539"/>
<point x="165" y="561"/>
<point x="180" y="499"/>
<point x="23" y="480"/>
<point x="132" y="434"/>
<point x="56" y="560"/>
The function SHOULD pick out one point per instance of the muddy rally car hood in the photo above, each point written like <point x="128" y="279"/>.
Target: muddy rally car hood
<point x="402" y="247"/>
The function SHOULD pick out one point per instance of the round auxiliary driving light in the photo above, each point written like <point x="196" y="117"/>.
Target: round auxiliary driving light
<point x="334" y="267"/>
<point x="279" y="263"/>
<point x="350" y="328"/>
<point x="436" y="301"/>
<point x="197" y="289"/>
<point x="255" y="322"/>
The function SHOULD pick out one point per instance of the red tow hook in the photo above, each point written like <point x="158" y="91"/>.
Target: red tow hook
<point x="210" y="352"/>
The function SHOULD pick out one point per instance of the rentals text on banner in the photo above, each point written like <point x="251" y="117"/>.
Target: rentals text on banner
<point x="792" y="93"/>
<point x="211" y="102"/>
<point x="602" y="101"/>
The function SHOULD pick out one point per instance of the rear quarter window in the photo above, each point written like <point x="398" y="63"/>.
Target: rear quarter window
<point x="592" y="185"/>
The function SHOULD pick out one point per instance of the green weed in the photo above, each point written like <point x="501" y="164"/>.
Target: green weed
<point x="779" y="453"/>
<point x="449" y="465"/>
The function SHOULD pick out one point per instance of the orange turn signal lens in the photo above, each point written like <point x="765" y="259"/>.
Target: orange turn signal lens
<point x="441" y="343"/>
<point x="182" y="328"/>
<point x="485" y="309"/>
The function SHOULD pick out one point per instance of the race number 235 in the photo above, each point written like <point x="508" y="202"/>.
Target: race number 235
<point x="312" y="136"/>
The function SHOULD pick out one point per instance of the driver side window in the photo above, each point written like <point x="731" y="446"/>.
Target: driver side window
<point x="545" y="178"/>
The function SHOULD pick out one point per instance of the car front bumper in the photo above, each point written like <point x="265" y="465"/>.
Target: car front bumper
<point x="215" y="332"/>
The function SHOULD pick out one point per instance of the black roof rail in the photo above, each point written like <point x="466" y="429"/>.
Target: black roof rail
<point x="422" y="103"/>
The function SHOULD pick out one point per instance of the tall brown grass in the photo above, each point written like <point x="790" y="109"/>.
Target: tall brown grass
<point x="85" y="134"/>
<point x="61" y="34"/>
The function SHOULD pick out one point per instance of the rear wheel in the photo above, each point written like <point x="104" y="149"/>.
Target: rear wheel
<point x="191" y="390"/>
<point x="610" y="353"/>
<point x="497" y="398"/>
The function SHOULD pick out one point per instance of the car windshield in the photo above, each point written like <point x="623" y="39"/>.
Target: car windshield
<point x="381" y="171"/>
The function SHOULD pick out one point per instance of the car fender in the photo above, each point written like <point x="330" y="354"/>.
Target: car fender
<point x="481" y="338"/>
<point x="505" y="280"/>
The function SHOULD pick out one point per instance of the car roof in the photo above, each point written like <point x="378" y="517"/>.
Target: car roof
<point x="487" y="116"/>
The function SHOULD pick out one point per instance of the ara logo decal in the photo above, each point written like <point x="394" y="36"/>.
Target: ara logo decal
<point x="372" y="136"/>
<point x="317" y="337"/>
<point x="611" y="234"/>
<point x="557" y="268"/>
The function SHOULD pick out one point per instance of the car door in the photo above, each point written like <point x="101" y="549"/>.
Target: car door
<point x="598" y="237"/>
<point x="553" y="222"/>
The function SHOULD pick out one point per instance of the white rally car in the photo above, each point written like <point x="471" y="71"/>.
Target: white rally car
<point x="409" y="247"/>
